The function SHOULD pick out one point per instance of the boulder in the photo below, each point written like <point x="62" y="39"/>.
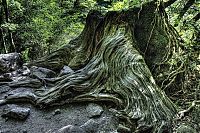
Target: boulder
<point x="66" y="70"/>
<point x="57" y="111"/>
<point x="94" y="110"/>
<point x="15" y="112"/>
<point x="91" y="126"/>
<point x="40" y="72"/>
<point x="16" y="75"/>
<point x="10" y="62"/>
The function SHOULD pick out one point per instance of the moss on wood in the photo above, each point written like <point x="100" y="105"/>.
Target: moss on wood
<point x="109" y="58"/>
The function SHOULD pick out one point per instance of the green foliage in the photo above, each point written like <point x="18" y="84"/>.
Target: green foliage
<point x="117" y="6"/>
<point x="9" y="26"/>
<point x="185" y="26"/>
<point x="126" y="4"/>
<point x="45" y="25"/>
<point x="189" y="56"/>
<point x="41" y="25"/>
<point x="90" y="4"/>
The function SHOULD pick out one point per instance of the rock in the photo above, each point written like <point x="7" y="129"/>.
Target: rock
<point x="91" y="126"/>
<point x="57" y="111"/>
<point x="71" y="129"/>
<point x="5" y="131"/>
<point x="5" y="77"/>
<point x="185" y="129"/>
<point x="40" y="72"/>
<point x="10" y="62"/>
<point x="19" y="95"/>
<point x="103" y="124"/>
<point x="108" y="124"/>
<point x="16" y="75"/>
<point x="24" y="131"/>
<point x="16" y="112"/>
<point x="25" y="71"/>
<point x="66" y="70"/>
<point x="94" y="110"/>
<point x="4" y="89"/>
<point x="2" y="102"/>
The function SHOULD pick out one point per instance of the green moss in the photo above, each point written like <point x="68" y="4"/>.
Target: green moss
<point x="110" y="68"/>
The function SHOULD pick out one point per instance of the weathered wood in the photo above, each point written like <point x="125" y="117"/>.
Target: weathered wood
<point x="109" y="62"/>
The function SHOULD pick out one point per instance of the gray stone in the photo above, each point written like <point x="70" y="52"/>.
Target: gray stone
<point x="108" y="124"/>
<point x="16" y="75"/>
<point x="185" y="129"/>
<point x="71" y="129"/>
<point x="25" y="71"/>
<point x="10" y="62"/>
<point x="4" y="89"/>
<point x="5" y="77"/>
<point x="94" y="110"/>
<point x="91" y="126"/>
<point x="40" y="72"/>
<point x="16" y="112"/>
<point x="5" y="130"/>
<point x="66" y="70"/>
<point x="24" y="131"/>
<point x="57" y="111"/>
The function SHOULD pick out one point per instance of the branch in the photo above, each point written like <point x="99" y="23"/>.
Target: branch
<point x="182" y="113"/>
<point x="196" y="18"/>
<point x="186" y="7"/>
<point x="169" y="3"/>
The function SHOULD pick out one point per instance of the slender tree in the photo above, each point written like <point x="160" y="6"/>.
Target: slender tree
<point x="11" y="45"/>
<point x="3" y="48"/>
<point x="76" y="3"/>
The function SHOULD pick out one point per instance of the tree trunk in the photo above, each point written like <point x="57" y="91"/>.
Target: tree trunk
<point x="10" y="37"/>
<point x="3" y="44"/>
<point x="76" y="3"/>
<point x="3" y="48"/>
<point x="109" y="58"/>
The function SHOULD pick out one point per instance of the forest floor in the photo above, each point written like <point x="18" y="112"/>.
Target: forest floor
<point x="71" y="118"/>
<point x="76" y="118"/>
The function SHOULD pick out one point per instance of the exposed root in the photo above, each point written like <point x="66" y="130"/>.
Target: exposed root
<point x="182" y="113"/>
<point x="110" y="68"/>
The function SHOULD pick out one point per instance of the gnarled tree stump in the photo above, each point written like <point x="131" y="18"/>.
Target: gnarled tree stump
<point x="109" y="62"/>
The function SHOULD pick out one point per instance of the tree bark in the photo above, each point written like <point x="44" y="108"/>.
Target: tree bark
<point x="76" y="3"/>
<point x="109" y="58"/>
<point x="3" y="44"/>
<point x="3" y="48"/>
<point x="11" y="42"/>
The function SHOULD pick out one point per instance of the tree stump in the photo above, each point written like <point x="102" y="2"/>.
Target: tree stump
<point x="109" y="61"/>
